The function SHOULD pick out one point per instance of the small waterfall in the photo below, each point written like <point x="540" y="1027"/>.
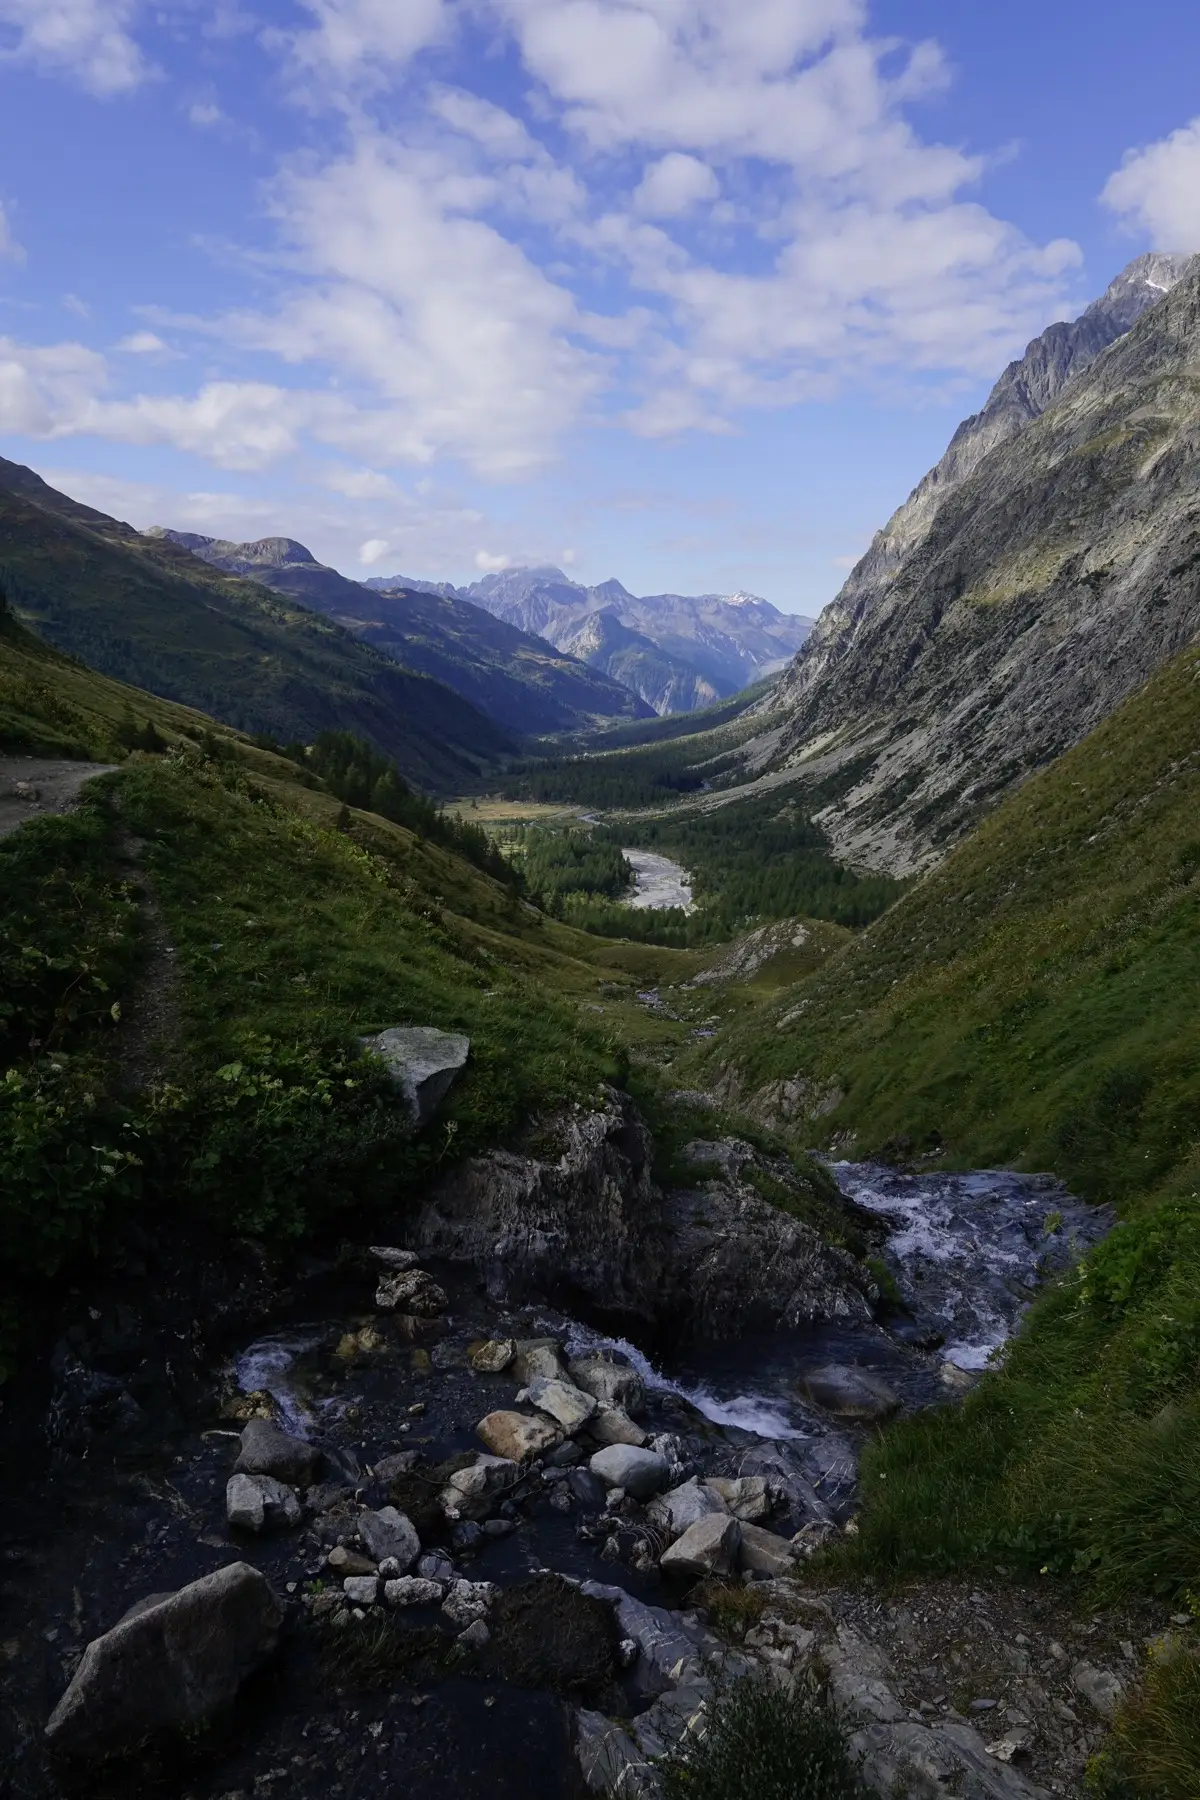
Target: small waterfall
<point x="745" y="1412"/>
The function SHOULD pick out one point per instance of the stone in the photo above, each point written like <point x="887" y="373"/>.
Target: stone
<point x="587" y="1488"/>
<point x="361" y="1590"/>
<point x="413" y="1590"/>
<point x="497" y="1528"/>
<point x="564" y="1455"/>
<point x="472" y="1493"/>
<point x="468" y="1601"/>
<point x="348" y="1562"/>
<point x="389" y="1533"/>
<point x="537" y="1359"/>
<point x="814" y="1536"/>
<point x="681" y="1507"/>
<point x="361" y="1345"/>
<point x="392" y="1258"/>
<point x="466" y="1536"/>
<point x="169" y="1666"/>
<point x="959" y="1381"/>
<point x="612" y="1383"/>
<point x="474" y="1637"/>
<point x="400" y="1462"/>
<point x="413" y="1292"/>
<point x="640" y="1472"/>
<point x="260" y="1503"/>
<point x="850" y="1393"/>
<point x="608" y="1425"/>
<point x="709" y="1547"/>
<point x="515" y="1435"/>
<point x="765" y="1552"/>
<point x="568" y="1406"/>
<point x="267" y="1450"/>
<point x="748" y="1497"/>
<point x="493" y="1357"/>
<point x="435" y="1567"/>
<point x="424" y="1064"/>
<point x="1100" y="1687"/>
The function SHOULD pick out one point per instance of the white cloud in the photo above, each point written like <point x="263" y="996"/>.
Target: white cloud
<point x="489" y="564"/>
<point x="674" y="184"/>
<point x="1157" y="189"/>
<point x="142" y="343"/>
<point x="373" y="551"/>
<point x="205" y="114"/>
<point x="359" y="484"/>
<point x="364" y="38"/>
<point x="40" y="386"/>
<point x="89" y="40"/>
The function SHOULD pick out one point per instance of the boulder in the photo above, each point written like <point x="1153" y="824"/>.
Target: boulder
<point x="170" y="1665"/>
<point x="389" y="1533"/>
<point x="345" y="1562"/>
<point x="260" y="1503"/>
<point x="424" y="1064"/>
<point x="640" y="1472"/>
<point x="468" y="1601"/>
<point x="392" y="1258"/>
<point x="537" y="1359"/>
<point x="515" y="1435"/>
<point x="612" y="1383"/>
<point x="267" y="1450"/>
<point x="850" y="1393"/>
<point x="709" y="1547"/>
<point x="413" y="1590"/>
<point x="361" y="1590"/>
<point x="609" y="1425"/>
<point x="568" y="1406"/>
<point x="681" y="1507"/>
<point x="411" y="1291"/>
<point x="472" y="1493"/>
<point x="765" y="1552"/>
<point x="493" y="1357"/>
<point x="748" y="1497"/>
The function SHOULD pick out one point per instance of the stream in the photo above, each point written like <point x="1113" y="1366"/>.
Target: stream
<point x="658" y="882"/>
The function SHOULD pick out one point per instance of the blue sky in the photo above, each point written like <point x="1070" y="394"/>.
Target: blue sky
<point x="686" y="291"/>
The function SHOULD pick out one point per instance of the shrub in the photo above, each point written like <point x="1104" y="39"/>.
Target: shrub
<point x="765" y="1744"/>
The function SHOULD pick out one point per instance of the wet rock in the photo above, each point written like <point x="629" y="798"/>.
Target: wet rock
<point x="392" y="1258"/>
<point x="344" y="1561"/>
<point x="850" y="1393"/>
<point x="474" y="1637"/>
<point x="1100" y="1687"/>
<point x="468" y="1601"/>
<point x="466" y="1536"/>
<point x="424" y="1064"/>
<point x="564" y="1455"/>
<point x="361" y="1345"/>
<point x="765" y="1552"/>
<point x="400" y="1462"/>
<point x="389" y="1534"/>
<point x="471" y="1493"/>
<point x="170" y="1666"/>
<point x="493" y="1357"/>
<point x="568" y="1406"/>
<point x="268" y="1450"/>
<point x="361" y="1590"/>
<point x="435" y="1567"/>
<point x="608" y="1425"/>
<point x="709" y="1547"/>
<point x="748" y="1497"/>
<point x="412" y="1292"/>
<point x="640" y="1472"/>
<point x="537" y="1359"/>
<point x="516" y="1435"/>
<point x="609" y="1381"/>
<point x="683" y="1506"/>
<point x="959" y="1381"/>
<point x="260" y="1503"/>
<point x="587" y="1489"/>
<point x="413" y="1590"/>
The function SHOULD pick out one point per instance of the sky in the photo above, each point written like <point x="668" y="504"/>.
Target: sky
<point x="690" y="292"/>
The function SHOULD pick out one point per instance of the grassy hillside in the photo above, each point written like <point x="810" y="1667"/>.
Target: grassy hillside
<point x="145" y="611"/>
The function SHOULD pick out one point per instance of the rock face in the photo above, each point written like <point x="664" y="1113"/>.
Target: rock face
<point x="1032" y="581"/>
<point x="170" y="1664"/>
<point x="424" y="1064"/>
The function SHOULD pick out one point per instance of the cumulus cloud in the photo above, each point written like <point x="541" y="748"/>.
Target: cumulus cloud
<point x="1157" y="190"/>
<point x="366" y="38"/>
<point x="673" y="184"/>
<point x="373" y="551"/>
<point x="89" y="40"/>
<point x="142" y="343"/>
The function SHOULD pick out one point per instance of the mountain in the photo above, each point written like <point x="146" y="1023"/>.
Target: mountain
<point x="1032" y="580"/>
<point x="709" y="645"/>
<point x="146" y="611"/>
<point x="517" y="679"/>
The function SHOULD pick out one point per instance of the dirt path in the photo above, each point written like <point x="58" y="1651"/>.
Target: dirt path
<point x="33" y="785"/>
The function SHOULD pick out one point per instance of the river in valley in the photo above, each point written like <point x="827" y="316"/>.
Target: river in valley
<point x="658" y="882"/>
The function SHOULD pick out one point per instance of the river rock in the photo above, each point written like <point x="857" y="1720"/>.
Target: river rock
<point x="709" y="1547"/>
<point x="260" y="1503"/>
<point x="609" y="1425"/>
<point x="392" y="1258"/>
<point x="568" y="1406"/>
<point x="765" y="1552"/>
<point x="748" y="1497"/>
<point x="168" y="1666"/>
<point x="640" y="1472"/>
<point x="471" y="1493"/>
<point x="537" y="1359"/>
<point x="267" y="1450"/>
<point x="493" y="1357"/>
<point x="389" y="1533"/>
<point x="610" y="1382"/>
<point x="344" y="1561"/>
<point x="515" y="1435"/>
<point x="424" y="1064"/>
<point x="681" y="1507"/>
<point x="468" y="1601"/>
<point x="850" y="1393"/>
<point x="475" y="1636"/>
<point x="587" y="1489"/>
<point x="413" y="1590"/>
<point x="361" y="1590"/>
<point x="411" y="1291"/>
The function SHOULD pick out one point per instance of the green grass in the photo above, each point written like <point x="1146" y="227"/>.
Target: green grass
<point x="764" y="1744"/>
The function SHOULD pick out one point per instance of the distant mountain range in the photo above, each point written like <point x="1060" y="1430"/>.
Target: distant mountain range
<point x="676" y="651"/>
<point x="517" y="679"/>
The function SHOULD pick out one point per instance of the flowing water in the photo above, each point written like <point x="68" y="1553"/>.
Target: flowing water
<point x="658" y="882"/>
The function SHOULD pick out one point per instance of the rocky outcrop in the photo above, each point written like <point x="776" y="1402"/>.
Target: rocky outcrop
<point x="1033" y="580"/>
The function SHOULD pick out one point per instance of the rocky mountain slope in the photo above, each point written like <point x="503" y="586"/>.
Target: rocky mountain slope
<point x="514" y="677"/>
<point x="1035" y="577"/>
<point x="708" y="646"/>
<point x="142" y="610"/>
